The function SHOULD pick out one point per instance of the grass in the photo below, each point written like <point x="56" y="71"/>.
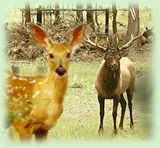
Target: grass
<point x="80" y="119"/>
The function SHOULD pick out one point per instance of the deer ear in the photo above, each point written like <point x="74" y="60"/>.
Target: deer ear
<point x="77" y="36"/>
<point x="39" y="36"/>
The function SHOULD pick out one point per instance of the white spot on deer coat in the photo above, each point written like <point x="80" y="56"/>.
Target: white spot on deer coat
<point x="40" y="83"/>
<point x="15" y="99"/>
<point x="14" y="77"/>
<point x="23" y="88"/>
<point x="23" y="79"/>
<point x="20" y="103"/>
<point x="11" y="91"/>
<point x="31" y="113"/>
<point x="37" y="92"/>
<point x="25" y="95"/>
<point x="32" y="81"/>
<point x="6" y="86"/>
<point x="46" y="80"/>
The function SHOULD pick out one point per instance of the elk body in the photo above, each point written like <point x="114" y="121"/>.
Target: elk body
<point x="115" y="75"/>
<point x="46" y="93"/>
<point x="145" y="36"/>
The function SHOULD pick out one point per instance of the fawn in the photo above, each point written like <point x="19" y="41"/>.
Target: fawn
<point x="46" y="93"/>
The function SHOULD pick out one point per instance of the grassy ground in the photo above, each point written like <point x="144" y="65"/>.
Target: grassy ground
<point x="80" y="119"/>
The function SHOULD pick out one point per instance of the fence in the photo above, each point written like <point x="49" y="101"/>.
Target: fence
<point x="51" y="15"/>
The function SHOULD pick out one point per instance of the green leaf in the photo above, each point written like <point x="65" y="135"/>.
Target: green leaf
<point x="20" y="111"/>
<point x="31" y="102"/>
<point x="10" y="116"/>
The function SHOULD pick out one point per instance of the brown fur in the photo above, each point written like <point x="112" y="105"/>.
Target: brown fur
<point x="144" y="37"/>
<point x="112" y="84"/>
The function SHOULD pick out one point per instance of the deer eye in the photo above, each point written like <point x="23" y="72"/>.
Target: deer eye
<point x="51" y="56"/>
<point x="68" y="55"/>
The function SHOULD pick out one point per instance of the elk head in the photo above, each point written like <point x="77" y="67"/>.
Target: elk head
<point x="112" y="55"/>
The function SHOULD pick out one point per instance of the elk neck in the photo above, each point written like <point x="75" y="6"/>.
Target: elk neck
<point x="110" y="78"/>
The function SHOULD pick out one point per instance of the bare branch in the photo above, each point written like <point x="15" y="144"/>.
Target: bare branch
<point x="127" y="45"/>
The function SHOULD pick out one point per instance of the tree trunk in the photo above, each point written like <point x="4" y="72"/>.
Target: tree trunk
<point x="133" y="24"/>
<point x="90" y="16"/>
<point x="27" y="13"/>
<point x="39" y="15"/>
<point x="57" y="13"/>
<point x="114" y="10"/>
<point x="96" y="17"/>
<point x="79" y="13"/>
<point x="107" y="22"/>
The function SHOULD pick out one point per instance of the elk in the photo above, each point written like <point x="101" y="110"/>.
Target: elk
<point x="115" y="75"/>
<point x="38" y="101"/>
<point x="144" y="37"/>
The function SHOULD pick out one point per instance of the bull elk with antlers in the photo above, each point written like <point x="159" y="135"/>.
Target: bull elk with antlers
<point x="116" y="75"/>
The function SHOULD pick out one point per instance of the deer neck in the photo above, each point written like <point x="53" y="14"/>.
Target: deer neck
<point x="54" y="87"/>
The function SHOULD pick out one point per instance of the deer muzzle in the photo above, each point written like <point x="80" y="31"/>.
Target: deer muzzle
<point x="60" y="70"/>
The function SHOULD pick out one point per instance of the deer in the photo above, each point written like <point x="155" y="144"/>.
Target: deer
<point x="115" y="75"/>
<point x="38" y="101"/>
<point x="145" y="36"/>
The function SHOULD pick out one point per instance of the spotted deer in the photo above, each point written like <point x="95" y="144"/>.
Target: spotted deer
<point x="115" y="75"/>
<point x="38" y="101"/>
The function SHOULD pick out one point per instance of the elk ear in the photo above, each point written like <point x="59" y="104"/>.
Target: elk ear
<point x="147" y="28"/>
<point x="77" y="36"/>
<point x="39" y="36"/>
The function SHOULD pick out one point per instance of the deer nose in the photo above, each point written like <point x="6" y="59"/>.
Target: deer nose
<point x="60" y="70"/>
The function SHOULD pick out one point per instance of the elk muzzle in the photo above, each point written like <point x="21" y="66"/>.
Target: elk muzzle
<point x="114" y="66"/>
<point x="60" y="70"/>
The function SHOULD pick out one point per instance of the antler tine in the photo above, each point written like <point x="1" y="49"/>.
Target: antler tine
<point x="127" y="45"/>
<point x="94" y="44"/>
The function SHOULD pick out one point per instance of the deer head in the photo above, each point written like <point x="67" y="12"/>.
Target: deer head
<point x="58" y="53"/>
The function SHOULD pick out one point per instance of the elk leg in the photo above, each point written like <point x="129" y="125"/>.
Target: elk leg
<point x="41" y="134"/>
<point x="129" y="95"/>
<point x="114" y="114"/>
<point x="123" y="106"/>
<point x="101" y="103"/>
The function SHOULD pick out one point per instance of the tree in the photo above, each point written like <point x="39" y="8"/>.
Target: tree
<point x="39" y="15"/>
<point x="133" y="23"/>
<point x="107" y="22"/>
<point x="27" y="13"/>
<point x="90" y="16"/>
<point x="57" y="13"/>
<point x="79" y="13"/>
<point x="114" y="10"/>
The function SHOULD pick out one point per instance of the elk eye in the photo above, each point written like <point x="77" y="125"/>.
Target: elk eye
<point x="51" y="56"/>
<point x="68" y="55"/>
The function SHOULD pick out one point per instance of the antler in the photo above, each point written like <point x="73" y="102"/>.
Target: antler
<point x="94" y="44"/>
<point x="127" y="45"/>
